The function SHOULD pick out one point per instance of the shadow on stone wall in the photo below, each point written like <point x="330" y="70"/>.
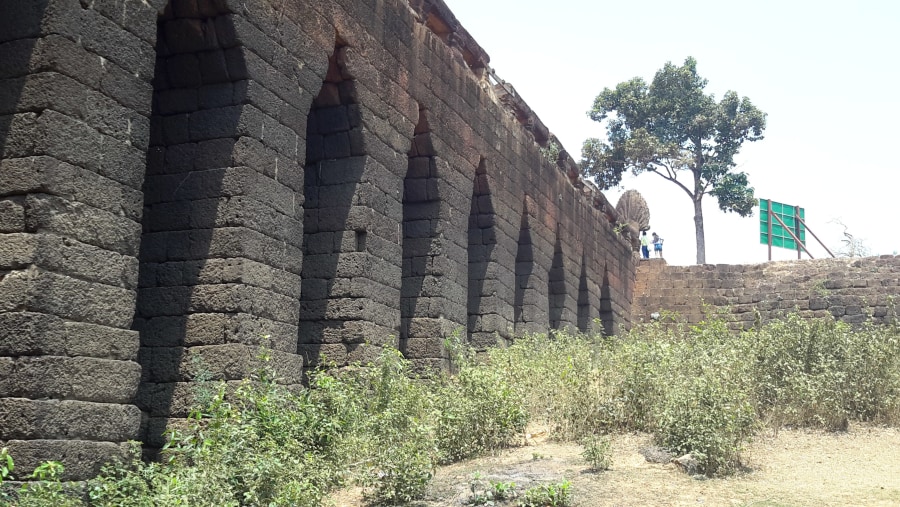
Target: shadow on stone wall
<point x="183" y="313"/>
<point x="421" y="216"/>
<point x="20" y="27"/>
<point x="584" y="298"/>
<point x="332" y="251"/>
<point x="557" y="286"/>
<point x="482" y="241"/>
<point x="524" y="267"/>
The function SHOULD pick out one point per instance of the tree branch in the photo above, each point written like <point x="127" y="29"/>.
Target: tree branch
<point x="669" y="170"/>
<point x="675" y="181"/>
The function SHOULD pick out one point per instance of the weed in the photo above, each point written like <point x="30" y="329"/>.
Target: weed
<point x="503" y="490"/>
<point x="6" y="468"/>
<point x="488" y="492"/>
<point x="597" y="452"/>
<point x="477" y="409"/>
<point x="547" y="495"/>
<point x="47" y="489"/>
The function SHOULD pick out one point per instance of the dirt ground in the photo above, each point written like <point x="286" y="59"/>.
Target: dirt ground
<point x="860" y="467"/>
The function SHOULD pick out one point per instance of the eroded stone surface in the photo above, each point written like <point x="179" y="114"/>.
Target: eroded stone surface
<point x="850" y="290"/>
<point x="183" y="182"/>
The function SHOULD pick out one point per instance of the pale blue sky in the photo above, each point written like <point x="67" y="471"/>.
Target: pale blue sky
<point x="826" y="72"/>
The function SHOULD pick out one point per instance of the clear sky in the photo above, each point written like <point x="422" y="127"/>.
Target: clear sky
<point x="826" y="72"/>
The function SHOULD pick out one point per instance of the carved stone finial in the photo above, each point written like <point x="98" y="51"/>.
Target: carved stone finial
<point x="633" y="210"/>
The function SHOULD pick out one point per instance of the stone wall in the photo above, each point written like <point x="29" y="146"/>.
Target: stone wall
<point x="851" y="290"/>
<point x="183" y="181"/>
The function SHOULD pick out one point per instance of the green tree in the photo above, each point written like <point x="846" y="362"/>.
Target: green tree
<point x="672" y="128"/>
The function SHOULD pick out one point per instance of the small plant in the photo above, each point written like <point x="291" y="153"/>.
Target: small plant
<point x="547" y="495"/>
<point x="552" y="151"/>
<point x="503" y="490"/>
<point x="6" y="468"/>
<point x="46" y="488"/>
<point x="819" y="289"/>
<point x="597" y="452"/>
<point x="489" y="492"/>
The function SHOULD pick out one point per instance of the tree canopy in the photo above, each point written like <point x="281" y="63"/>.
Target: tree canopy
<point x="672" y="128"/>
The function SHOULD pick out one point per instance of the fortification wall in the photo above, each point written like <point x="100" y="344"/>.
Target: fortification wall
<point x="180" y="179"/>
<point x="851" y="290"/>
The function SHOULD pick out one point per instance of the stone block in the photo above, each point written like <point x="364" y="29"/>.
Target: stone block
<point x="190" y="35"/>
<point x="69" y="257"/>
<point x="12" y="214"/>
<point x="25" y="419"/>
<point x="177" y="100"/>
<point x="21" y="22"/>
<point x="75" y="142"/>
<point x="173" y="399"/>
<point x="72" y="378"/>
<point x="209" y="362"/>
<point x="237" y="66"/>
<point x="47" y="213"/>
<point x="100" y="35"/>
<point x="154" y="430"/>
<point x="317" y="354"/>
<point x="50" y="176"/>
<point x="82" y="459"/>
<point x="35" y="334"/>
<point x="27" y="334"/>
<point x="217" y="95"/>
<point x="91" y="340"/>
<point x="46" y="292"/>
<point x="427" y="347"/>
<point x="51" y="90"/>
<point x="213" y="67"/>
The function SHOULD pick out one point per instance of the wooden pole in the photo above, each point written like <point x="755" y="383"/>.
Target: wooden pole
<point x="797" y="228"/>
<point x="794" y="236"/>
<point x="769" y="223"/>
<point x="817" y="238"/>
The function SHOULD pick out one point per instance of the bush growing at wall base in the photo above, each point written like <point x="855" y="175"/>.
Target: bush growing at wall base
<point x="378" y="426"/>
<point x="823" y="373"/>
<point x="701" y="390"/>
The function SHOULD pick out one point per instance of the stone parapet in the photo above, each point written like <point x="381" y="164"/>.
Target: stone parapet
<point x="850" y="290"/>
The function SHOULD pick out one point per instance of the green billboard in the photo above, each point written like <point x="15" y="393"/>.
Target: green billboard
<point x="788" y="216"/>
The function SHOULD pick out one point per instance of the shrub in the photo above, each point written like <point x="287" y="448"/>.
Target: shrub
<point x="708" y="419"/>
<point x="477" y="409"/>
<point x="706" y="407"/>
<point x="823" y="373"/>
<point x="597" y="452"/>
<point x="395" y="434"/>
<point x="547" y="495"/>
<point x="700" y="390"/>
<point x="6" y="469"/>
<point x="47" y="489"/>
<point x="558" y="379"/>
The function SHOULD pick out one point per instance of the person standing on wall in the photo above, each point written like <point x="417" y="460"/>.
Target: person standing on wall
<point x="645" y="245"/>
<point x="657" y="245"/>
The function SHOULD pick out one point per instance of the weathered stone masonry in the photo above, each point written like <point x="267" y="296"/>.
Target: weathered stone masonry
<point x="851" y="290"/>
<point x="179" y="180"/>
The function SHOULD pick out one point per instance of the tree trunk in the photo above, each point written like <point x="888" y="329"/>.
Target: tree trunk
<point x="698" y="228"/>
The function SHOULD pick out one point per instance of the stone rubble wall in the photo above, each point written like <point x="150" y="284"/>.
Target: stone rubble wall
<point x="182" y="182"/>
<point x="851" y="290"/>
